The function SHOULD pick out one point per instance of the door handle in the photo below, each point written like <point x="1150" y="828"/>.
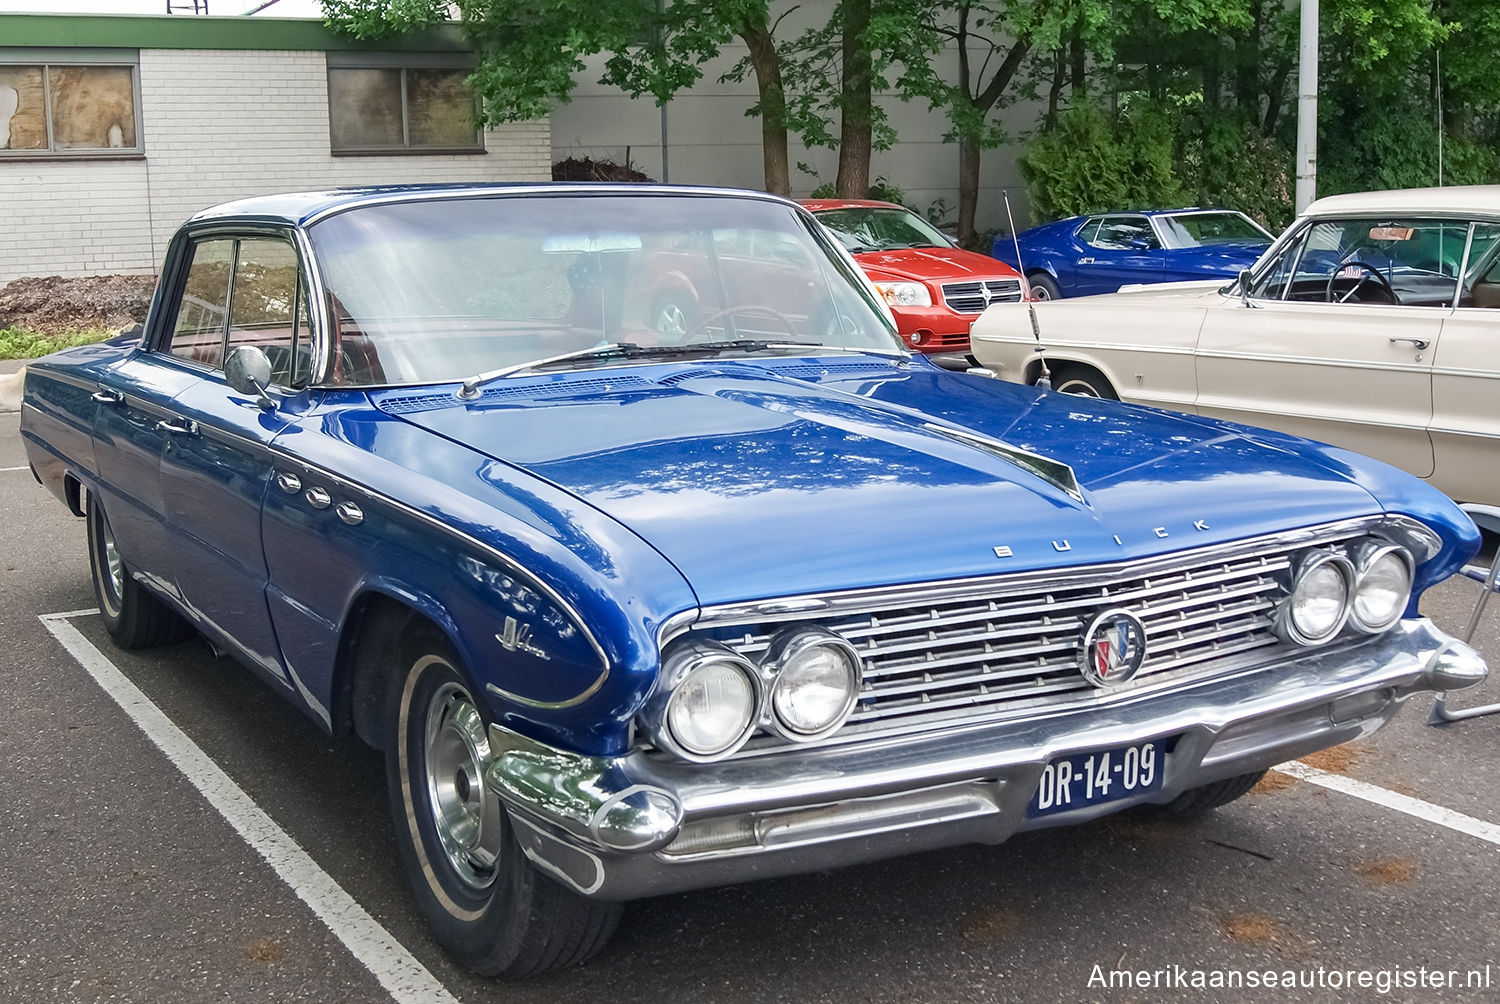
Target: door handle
<point x="1085" y="261"/>
<point x="106" y="396"/>
<point x="178" y="427"/>
<point x="1420" y="343"/>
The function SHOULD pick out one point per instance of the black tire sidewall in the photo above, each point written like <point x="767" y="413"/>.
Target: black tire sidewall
<point x="483" y="929"/>
<point x="112" y="608"/>
<point x="1047" y="284"/>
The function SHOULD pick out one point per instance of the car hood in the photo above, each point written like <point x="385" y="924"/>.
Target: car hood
<point x="952" y="264"/>
<point x="761" y="478"/>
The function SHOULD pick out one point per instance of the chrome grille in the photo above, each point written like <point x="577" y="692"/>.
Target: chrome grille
<point x="1006" y="649"/>
<point x="969" y="297"/>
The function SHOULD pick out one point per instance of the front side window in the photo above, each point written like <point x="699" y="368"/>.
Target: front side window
<point x="442" y="290"/>
<point x="386" y="109"/>
<point x="198" y="334"/>
<point x="1395" y="260"/>
<point x="245" y="291"/>
<point x="66" y="109"/>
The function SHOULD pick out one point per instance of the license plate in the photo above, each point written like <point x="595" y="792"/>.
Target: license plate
<point x="1084" y="779"/>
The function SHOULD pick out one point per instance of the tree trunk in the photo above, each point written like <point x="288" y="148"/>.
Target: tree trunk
<point x="1059" y="77"/>
<point x="1247" y="68"/>
<point x="968" y="186"/>
<point x="766" y="62"/>
<point x="855" y="101"/>
<point x="1080" y="65"/>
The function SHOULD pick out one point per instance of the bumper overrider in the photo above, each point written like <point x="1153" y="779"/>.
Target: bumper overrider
<point x="642" y="825"/>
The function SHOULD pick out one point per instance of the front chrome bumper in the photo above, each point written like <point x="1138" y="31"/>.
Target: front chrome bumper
<point x="642" y="825"/>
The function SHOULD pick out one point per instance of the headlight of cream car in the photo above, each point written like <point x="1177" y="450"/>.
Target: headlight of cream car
<point x="905" y="294"/>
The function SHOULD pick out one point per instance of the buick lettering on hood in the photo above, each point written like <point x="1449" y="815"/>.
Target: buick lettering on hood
<point x="623" y="522"/>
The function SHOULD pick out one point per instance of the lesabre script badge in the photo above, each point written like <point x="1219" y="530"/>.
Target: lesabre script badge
<point x="1114" y="646"/>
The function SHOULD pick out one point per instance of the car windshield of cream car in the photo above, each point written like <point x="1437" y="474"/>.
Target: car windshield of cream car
<point x="449" y="290"/>
<point x="1397" y="260"/>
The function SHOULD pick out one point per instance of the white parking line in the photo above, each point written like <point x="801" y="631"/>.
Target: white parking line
<point x="406" y="979"/>
<point x="4" y="469"/>
<point x="1393" y="800"/>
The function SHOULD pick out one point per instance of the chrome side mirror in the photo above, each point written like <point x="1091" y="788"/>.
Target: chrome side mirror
<point x="248" y="371"/>
<point x="1244" y="282"/>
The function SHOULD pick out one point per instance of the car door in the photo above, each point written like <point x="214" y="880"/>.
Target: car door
<point x="134" y="411"/>
<point x="216" y="463"/>
<point x="1321" y="349"/>
<point x="1121" y="249"/>
<point x="1466" y="380"/>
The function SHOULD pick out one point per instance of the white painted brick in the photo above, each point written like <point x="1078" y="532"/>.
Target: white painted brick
<point x="216" y="126"/>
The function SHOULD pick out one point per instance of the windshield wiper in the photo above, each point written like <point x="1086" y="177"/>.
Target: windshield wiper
<point x="630" y="350"/>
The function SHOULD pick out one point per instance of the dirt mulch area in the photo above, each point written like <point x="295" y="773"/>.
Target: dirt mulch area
<point x="54" y="305"/>
<point x="587" y="169"/>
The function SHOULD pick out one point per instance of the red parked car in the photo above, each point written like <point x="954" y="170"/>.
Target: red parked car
<point x="935" y="289"/>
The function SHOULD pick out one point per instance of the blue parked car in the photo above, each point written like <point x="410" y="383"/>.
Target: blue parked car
<point x="634" y="608"/>
<point x="1083" y="255"/>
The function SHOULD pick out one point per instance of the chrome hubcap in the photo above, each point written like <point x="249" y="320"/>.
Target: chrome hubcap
<point x="465" y="815"/>
<point x="112" y="563"/>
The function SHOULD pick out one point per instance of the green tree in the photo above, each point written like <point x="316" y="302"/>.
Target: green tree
<point x="529" y="52"/>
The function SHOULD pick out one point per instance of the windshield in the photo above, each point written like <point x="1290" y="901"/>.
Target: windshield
<point x="1191" y="230"/>
<point x="439" y="290"/>
<point x="868" y="228"/>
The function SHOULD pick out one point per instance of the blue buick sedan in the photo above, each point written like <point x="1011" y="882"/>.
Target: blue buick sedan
<point x="1084" y="255"/>
<point x="636" y="607"/>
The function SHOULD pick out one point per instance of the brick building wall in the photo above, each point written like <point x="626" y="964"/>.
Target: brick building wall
<point x="216" y="125"/>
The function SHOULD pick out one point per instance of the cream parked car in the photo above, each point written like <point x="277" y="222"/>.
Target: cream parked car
<point x="1372" y="323"/>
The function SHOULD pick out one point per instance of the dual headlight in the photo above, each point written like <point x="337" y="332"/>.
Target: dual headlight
<point x="710" y="700"/>
<point x="1367" y="586"/>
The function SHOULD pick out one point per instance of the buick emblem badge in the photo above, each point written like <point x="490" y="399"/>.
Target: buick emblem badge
<point x="1114" y="646"/>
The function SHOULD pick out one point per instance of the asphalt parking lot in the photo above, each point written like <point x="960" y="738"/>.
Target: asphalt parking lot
<point x="122" y="881"/>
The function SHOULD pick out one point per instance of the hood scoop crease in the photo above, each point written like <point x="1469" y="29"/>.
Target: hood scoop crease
<point x="1056" y="473"/>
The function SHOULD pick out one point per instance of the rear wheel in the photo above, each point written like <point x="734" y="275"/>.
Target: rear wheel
<point x="485" y="902"/>
<point x="1196" y="801"/>
<point x="1084" y="381"/>
<point x="133" y="617"/>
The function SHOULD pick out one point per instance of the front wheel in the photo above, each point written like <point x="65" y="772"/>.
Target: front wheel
<point x="1043" y="286"/>
<point x="485" y="902"/>
<point x="1197" y="801"/>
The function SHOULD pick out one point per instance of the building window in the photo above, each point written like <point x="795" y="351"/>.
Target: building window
<point x="69" y="109"/>
<point x="401" y="109"/>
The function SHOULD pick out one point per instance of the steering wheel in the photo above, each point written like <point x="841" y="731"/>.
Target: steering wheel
<point x="1366" y="272"/>
<point x="740" y="308"/>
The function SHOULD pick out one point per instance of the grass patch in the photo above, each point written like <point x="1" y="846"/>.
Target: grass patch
<point x="18" y="343"/>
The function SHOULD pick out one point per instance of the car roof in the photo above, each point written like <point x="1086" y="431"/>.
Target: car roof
<point x="302" y="208"/>
<point x="819" y="205"/>
<point x="1457" y="199"/>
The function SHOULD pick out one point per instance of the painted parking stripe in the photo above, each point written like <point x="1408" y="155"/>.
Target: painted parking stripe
<point x="1394" y="800"/>
<point x="23" y="468"/>
<point x="404" y="978"/>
